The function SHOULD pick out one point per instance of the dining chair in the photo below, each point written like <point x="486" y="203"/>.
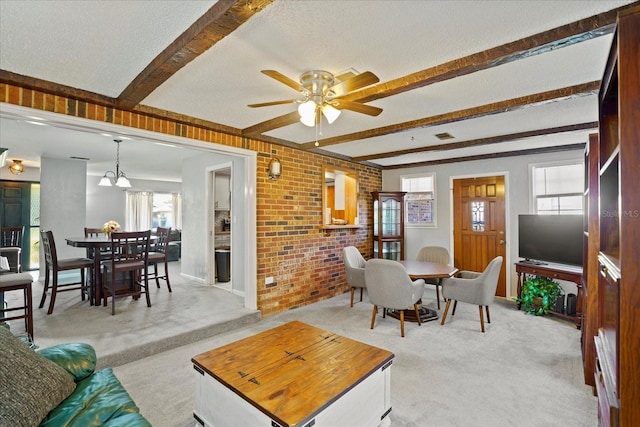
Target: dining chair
<point x="354" y="267"/>
<point x="18" y="282"/>
<point x="105" y="253"/>
<point x="53" y="266"/>
<point x="11" y="246"/>
<point x="126" y="273"/>
<point x="438" y="255"/>
<point x="159" y="253"/>
<point x="389" y="287"/>
<point x="473" y="288"/>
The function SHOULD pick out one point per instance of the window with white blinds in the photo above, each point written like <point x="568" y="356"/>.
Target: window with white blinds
<point x="558" y="189"/>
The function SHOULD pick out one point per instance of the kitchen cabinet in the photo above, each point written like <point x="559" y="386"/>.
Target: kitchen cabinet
<point x="222" y="195"/>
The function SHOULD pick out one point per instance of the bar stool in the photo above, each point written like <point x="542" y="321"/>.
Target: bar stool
<point x="17" y="282"/>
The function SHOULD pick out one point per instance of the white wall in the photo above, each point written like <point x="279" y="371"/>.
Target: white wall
<point x="63" y="203"/>
<point x="196" y="193"/>
<point x="517" y="200"/>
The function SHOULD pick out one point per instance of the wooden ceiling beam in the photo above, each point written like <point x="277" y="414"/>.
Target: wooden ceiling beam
<point x="276" y="123"/>
<point x="466" y="114"/>
<point x="551" y="149"/>
<point x="566" y="35"/>
<point x="219" y="21"/>
<point x="481" y="141"/>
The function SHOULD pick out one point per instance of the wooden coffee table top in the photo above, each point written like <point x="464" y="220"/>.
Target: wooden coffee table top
<point x="293" y="371"/>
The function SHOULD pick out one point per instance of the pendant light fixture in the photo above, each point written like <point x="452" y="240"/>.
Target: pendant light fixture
<point x="117" y="178"/>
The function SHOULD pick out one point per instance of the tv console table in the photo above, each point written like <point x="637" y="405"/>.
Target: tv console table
<point x="554" y="271"/>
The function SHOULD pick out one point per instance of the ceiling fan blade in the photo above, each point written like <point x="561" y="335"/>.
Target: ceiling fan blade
<point x="361" y="80"/>
<point x="357" y="107"/>
<point x="283" y="79"/>
<point x="268" y="104"/>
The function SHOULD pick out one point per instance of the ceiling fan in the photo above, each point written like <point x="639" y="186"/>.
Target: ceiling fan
<point x="322" y="94"/>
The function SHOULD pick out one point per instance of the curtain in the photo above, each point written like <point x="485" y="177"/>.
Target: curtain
<point x="139" y="210"/>
<point x="176" y="206"/>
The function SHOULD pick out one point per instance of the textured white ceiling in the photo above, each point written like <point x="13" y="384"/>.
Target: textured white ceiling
<point x="101" y="46"/>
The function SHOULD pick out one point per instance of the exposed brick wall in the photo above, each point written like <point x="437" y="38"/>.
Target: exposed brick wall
<point x="304" y="261"/>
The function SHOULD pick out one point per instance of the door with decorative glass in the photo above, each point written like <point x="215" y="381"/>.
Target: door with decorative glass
<point x="479" y="225"/>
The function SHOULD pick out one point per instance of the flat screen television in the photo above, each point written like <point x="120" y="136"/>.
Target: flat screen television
<point x="551" y="238"/>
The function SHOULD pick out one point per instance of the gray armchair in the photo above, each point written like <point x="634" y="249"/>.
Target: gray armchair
<point x="438" y="255"/>
<point x="389" y="287"/>
<point x="473" y="288"/>
<point x="354" y="266"/>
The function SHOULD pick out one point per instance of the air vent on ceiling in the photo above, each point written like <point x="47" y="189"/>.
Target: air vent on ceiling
<point x="444" y="135"/>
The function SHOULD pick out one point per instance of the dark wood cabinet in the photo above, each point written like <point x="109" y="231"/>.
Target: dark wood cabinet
<point x="613" y="286"/>
<point x="590" y="258"/>
<point x="388" y="224"/>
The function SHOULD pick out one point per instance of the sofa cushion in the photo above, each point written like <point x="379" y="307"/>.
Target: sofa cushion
<point x="99" y="399"/>
<point x="78" y="359"/>
<point x="30" y="384"/>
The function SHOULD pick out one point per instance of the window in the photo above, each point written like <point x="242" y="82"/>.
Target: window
<point x="167" y="208"/>
<point x="558" y="189"/>
<point x="151" y="210"/>
<point x="420" y="199"/>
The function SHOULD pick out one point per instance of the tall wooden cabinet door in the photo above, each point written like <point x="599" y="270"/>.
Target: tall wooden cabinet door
<point x="388" y="224"/>
<point x="479" y="233"/>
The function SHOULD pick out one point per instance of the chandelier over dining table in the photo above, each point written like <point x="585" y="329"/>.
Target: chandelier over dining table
<point x="117" y="178"/>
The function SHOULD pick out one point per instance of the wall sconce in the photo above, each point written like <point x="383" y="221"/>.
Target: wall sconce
<point x="16" y="167"/>
<point x="275" y="169"/>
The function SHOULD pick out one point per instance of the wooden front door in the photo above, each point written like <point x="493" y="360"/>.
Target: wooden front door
<point x="479" y="233"/>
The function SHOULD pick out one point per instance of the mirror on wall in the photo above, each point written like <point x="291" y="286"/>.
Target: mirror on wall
<point x="339" y="196"/>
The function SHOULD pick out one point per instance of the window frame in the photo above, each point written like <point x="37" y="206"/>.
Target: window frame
<point x="413" y="206"/>
<point x="533" y="197"/>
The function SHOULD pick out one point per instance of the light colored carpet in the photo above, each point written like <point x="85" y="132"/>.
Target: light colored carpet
<point x="190" y="313"/>
<point x="524" y="371"/>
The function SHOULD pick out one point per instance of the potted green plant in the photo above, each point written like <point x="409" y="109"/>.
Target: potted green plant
<point x="539" y="294"/>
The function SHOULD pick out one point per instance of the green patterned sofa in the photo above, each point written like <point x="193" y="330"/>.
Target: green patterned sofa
<point x="58" y="386"/>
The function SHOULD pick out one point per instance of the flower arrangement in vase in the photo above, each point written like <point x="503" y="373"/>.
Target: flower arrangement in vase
<point x="110" y="226"/>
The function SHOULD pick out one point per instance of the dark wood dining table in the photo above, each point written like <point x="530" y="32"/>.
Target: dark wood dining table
<point x="425" y="270"/>
<point x="93" y="244"/>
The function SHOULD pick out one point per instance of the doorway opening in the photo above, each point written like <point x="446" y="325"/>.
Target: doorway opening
<point x="195" y="259"/>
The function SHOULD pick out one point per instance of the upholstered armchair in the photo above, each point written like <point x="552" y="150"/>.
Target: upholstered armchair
<point x="389" y="287"/>
<point x="354" y="266"/>
<point x="473" y="288"/>
<point x="438" y="255"/>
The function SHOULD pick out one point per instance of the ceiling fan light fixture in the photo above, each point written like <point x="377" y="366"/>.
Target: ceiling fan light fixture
<point x="307" y="111"/>
<point x="330" y="112"/>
